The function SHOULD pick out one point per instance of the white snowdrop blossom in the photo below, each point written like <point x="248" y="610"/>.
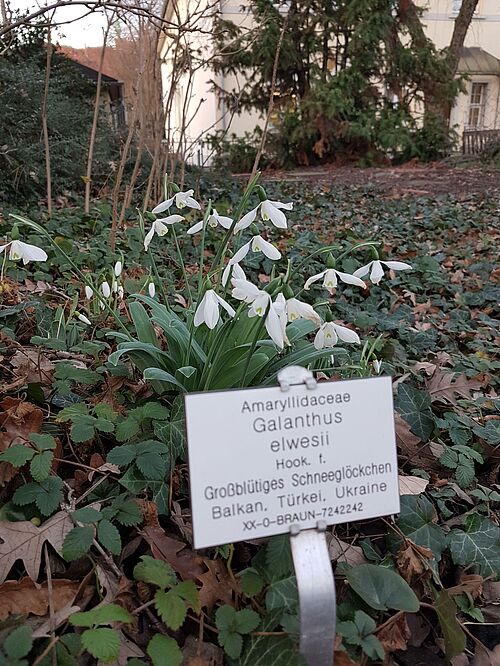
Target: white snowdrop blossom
<point x="233" y="270"/>
<point x="121" y="292"/>
<point x="151" y="289"/>
<point x="330" y="279"/>
<point x="89" y="292"/>
<point x="160" y="227"/>
<point x="106" y="289"/>
<point x="296" y="309"/>
<point x="181" y="200"/>
<point x="114" y="287"/>
<point x="256" y="244"/>
<point x="269" y="211"/>
<point x="377" y="366"/>
<point x="118" y="269"/>
<point x="243" y="290"/>
<point x="276" y="322"/>
<point x="83" y="318"/>
<point x="376" y="270"/>
<point x="25" y="251"/>
<point x="208" y="310"/>
<point x="213" y="221"/>
<point x="329" y="334"/>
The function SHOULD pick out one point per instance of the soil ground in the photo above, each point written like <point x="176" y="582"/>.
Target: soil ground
<point x="407" y="180"/>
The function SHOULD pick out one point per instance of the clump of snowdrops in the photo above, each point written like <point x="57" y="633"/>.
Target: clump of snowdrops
<point x="231" y="332"/>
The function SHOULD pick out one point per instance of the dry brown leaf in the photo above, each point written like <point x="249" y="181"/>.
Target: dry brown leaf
<point x="17" y="421"/>
<point x="341" y="551"/>
<point x="469" y="583"/>
<point x="33" y="365"/>
<point x="411" y="485"/>
<point x="412" y="561"/>
<point x="411" y="446"/>
<point x="42" y="629"/>
<point x="443" y="386"/>
<point x="428" y="368"/>
<point x="188" y="565"/>
<point x="215" y="585"/>
<point x="341" y="658"/>
<point x="395" y="635"/>
<point x="24" y="596"/>
<point x="485" y="657"/>
<point x="23" y="541"/>
<point x="198" y="653"/>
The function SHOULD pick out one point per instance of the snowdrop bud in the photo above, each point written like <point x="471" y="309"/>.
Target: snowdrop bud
<point x="151" y="289"/>
<point x="89" y="292"/>
<point x="106" y="289"/>
<point x="101" y="305"/>
<point x="120" y="292"/>
<point x="377" y="365"/>
<point x="118" y="268"/>
<point x="114" y="287"/>
<point x="83" y="318"/>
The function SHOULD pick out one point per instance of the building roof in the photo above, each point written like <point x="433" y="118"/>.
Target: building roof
<point x="473" y="60"/>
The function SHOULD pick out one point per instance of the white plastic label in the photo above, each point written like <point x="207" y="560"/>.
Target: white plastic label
<point x="261" y="459"/>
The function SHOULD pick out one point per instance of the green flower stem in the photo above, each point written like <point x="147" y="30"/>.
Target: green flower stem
<point x="202" y="248"/>
<point x="184" y="272"/>
<point x="255" y="340"/>
<point x="159" y="281"/>
<point x="221" y="252"/>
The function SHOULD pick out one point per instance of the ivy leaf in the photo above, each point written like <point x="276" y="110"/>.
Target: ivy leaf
<point x="382" y="588"/>
<point x="18" y="643"/>
<point x="77" y="543"/>
<point x="415" y="407"/>
<point x="109" y="536"/>
<point x="47" y="495"/>
<point x="164" y="651"/>
<point x="282" y="594"/>
<point x="102" y="643"/>
<point x="156" y="572"/>
<point x="41" y="465"/>
<point x="417" y="521"/>
<point x="171" y="608"/>
<point x="478" y="546"/>
<point x="454" y="637"/>
<point x="17" y="455"/>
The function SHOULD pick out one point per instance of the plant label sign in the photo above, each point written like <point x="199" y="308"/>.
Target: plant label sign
<point x="262" y="460"/>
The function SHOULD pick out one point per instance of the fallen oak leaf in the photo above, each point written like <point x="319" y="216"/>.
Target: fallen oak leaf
<point x="394" y="635"/>
<point x="25" y="597"/>
<point x="188" y="565"/>
<point x="24" y="541"/>
<point x="443" y="386"/>
<point x="18" y="420"/>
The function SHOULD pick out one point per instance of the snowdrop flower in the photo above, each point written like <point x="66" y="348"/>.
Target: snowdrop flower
<point x="330" y="281"/>
<point x="214" y="220"/>
<point x="181" y="199"/>
<point x="160" y="227"/>
<point x="269" y="211"/>
<point x="295" y="309"/>
<point x="377" y="366"/>
<point x="89" y="292"/>
<point x="118" y="269"/>
<point x="114" y="287"/>
<point x="83" y="318"/>
<point x="276" y="321"/>
<point x="243" y="290"/>
<point x="329" y="334"/>
<point x="151" y="289"/>
<point x="121" y="292"/>
<point x="106" y="289"/>
<point x="236" y="272"/>
<point x="208" y="310"/>
<point x="25" y="251"/>
<point x="377" y="270"/>
<point x="256" y="244"/>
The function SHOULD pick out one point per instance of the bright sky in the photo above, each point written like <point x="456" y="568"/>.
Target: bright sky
<point x="85" y="31"/>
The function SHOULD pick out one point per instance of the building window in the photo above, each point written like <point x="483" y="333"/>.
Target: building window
<point x="455" y="6"/>
<point x="477" y="104"/>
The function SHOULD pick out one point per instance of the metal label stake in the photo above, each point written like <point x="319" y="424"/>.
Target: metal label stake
<point x="313" y="568"/>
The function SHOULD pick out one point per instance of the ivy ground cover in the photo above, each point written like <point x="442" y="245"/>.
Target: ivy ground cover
<point x="95" y="555"/>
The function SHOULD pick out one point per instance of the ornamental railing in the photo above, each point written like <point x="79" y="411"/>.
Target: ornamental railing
<point x="474" y="142"/>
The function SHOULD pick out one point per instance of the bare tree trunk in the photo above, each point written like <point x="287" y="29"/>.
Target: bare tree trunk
<point x="45" y="127"/>
<point x="462" y="23"/>
<point x="93" y="131"/>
